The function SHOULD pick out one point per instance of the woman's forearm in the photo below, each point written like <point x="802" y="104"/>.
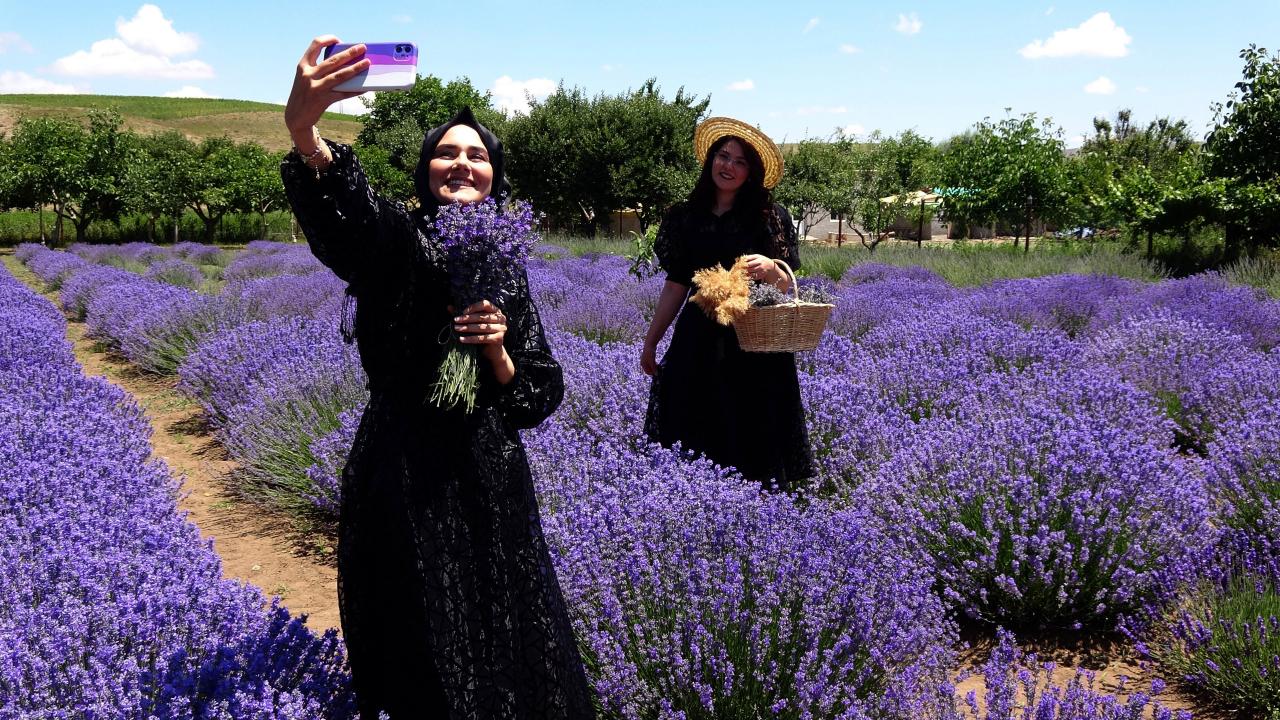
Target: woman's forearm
<point x="669" y="302"/>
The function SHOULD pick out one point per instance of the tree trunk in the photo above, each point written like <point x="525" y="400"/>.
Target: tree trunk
<point x="82" y="228"/>
<point x="1234" y="239"/>
<point x="43" y="240"/>
<point x="1151" y="249"/>
<point x="839" y="230"/>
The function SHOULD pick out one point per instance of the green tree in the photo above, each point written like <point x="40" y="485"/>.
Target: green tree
<point x="1243" y="152"/>
<point x="644" y="140"/>
<point x="155" y="176"/>
<point x="579" y="158"/>
<point x="551" y="159"/>
<point x="78" y="171"/>
<point x="1013" y="171"/>
<point x="816" y="183"/>
<point x="209" y="187"/>
<point x="877" y="172"/>
<point x="257" y="187"/>
<point x="1124" y="171"/>
<point x="397" y="122"/>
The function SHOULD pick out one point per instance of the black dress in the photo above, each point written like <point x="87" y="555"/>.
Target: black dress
<point x="738" y="408"/>
<point x="450" y="605"/>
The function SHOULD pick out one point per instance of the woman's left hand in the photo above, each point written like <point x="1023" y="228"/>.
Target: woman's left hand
<point x="482" y="324"/>
<point x="762" y="268"/>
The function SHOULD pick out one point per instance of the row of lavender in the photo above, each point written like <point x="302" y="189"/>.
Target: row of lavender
<point x="1064" y="451"/>
<point x="110" y="603"/>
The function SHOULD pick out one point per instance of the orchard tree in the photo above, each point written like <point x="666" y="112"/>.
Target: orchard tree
<point x="817" y="181"/>
<point x="552" y="163"/>
<point x="579" y="158"/>
<point x="1013" y="171"/>
<point x="876" y="173"/>
<point x="210" y="186"/>
<point x="156" y="176"/>
<point x="644" y="142"/>
<point x="1243" y="151"/>
<point x="78" y="171"/>
<point x="257" y="187"/>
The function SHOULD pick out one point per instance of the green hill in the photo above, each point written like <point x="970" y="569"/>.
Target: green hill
<point x="198" y="118"/>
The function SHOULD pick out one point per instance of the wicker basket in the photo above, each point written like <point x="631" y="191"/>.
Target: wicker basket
<point x="793" y="327"/>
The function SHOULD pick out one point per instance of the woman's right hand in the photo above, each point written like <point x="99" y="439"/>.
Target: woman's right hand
<point x="649" y="359"/>
<point x="313" y="85"/>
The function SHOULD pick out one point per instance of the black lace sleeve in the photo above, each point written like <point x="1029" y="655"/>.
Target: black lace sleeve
<point x="669" y="247"/>
<point x="355" y="233"/>
<point x="788" y="242"/>
<point x="538" y="385"/>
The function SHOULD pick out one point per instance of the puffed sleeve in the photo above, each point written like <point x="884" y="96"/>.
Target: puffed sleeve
<point x="789" y="246"/>
<point x="670" y="247"/>
<point x="538" y="385"/>
<point x="362" y="237"/>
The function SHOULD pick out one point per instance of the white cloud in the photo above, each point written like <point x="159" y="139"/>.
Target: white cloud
<point x="739" y="85"/>
<point x="853" y="130"/>
<point x="1143" y="89"/>
<point x="353" y="106"/>
<point x="1049" y="11"/>
<point x="150" y="32"/>
<point x="849" y="49"/>
<point x="1101" y="86"/>
<point x="607" y="68"/>
<point x="908" y="25"/>
<point x="1099" y="36"/>
<point x="513" y="95"/>
<point x="813" y="23"/>
<point x="401" y="19"/>
<point x="20" y="82"/>
<point x="114" y="57"/>
<point x="145" y="47"/>
<point x="12" y="41"/>
<point x="188" y="91"/>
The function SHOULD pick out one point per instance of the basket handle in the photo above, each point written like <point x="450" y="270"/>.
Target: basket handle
<point x="795" y="286"/>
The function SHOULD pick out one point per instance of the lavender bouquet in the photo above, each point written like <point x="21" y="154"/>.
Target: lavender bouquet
<point x="485" y="249"/>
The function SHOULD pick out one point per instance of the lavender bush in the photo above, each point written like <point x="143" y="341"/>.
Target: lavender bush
<point x="176" y="272"/>
<point x="485" y="250"/>
<point x="111" y="605"/>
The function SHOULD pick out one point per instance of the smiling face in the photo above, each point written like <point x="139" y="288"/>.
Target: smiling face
<point x="729" y="168"/>
<point x="459" y="170"/>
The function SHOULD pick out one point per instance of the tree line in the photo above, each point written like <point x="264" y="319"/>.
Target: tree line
<point x="578" y="158"/>
<point x="99" y="171"/>
<point x="1139" y="180"/>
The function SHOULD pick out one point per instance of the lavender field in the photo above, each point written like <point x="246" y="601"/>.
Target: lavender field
<point x="1071" y="454"/>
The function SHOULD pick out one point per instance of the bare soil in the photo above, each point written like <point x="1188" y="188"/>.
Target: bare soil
<point x="257" y="545"/>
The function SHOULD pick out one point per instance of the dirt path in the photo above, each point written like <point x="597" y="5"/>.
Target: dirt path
<point x="255" y="544"/>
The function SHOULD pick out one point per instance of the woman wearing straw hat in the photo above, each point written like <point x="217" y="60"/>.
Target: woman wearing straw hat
<point x="739" y="409"/>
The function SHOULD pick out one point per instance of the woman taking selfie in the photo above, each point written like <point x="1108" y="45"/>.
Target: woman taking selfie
<point x="450" y="605"/>
<point x="740" y="409"/>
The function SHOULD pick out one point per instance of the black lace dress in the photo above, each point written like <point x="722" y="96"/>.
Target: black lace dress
<point x="738" y="408"/>
<point x="449" y="601"/>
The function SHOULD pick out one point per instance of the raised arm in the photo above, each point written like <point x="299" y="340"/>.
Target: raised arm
<point x="358" y="235"/>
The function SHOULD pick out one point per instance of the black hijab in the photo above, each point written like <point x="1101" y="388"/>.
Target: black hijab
<point x="429" y="203"/>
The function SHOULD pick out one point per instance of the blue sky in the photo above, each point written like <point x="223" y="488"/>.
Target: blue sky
<point x="795" y="68"/>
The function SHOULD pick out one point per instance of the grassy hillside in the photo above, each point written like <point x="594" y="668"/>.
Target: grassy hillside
<point x="198" y="118"/>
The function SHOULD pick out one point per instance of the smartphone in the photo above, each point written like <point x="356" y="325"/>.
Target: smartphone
<point x="392" y="66"/>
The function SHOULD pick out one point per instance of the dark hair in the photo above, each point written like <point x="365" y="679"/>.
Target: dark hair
<point x="753" y="199"/>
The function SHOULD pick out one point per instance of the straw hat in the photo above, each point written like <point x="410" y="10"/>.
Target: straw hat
<point x="712" y="129"/>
